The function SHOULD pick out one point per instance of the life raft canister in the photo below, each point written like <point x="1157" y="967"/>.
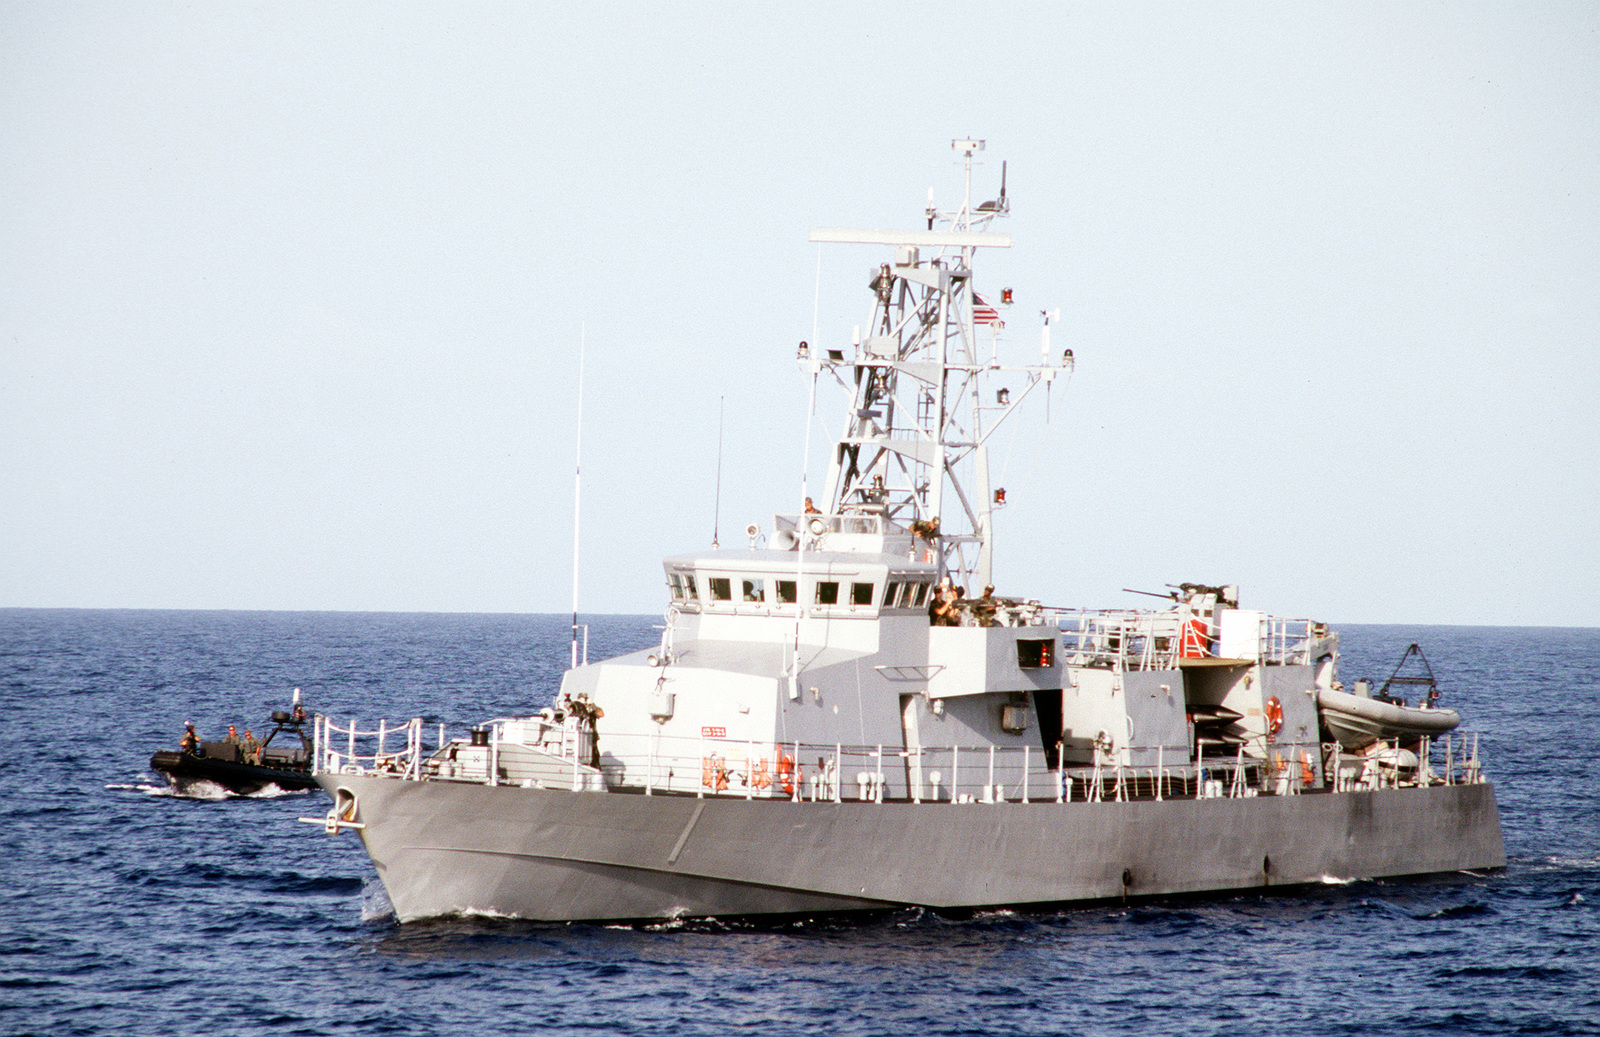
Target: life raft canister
<point x="1274" y="715"/>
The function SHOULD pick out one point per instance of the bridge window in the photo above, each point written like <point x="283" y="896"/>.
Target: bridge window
<point x="721" y="588"/>
<point x="827" y="593"/>
<point x="891" y="594"/>
<point x="755" y="590"/>
<point x="861" y="593"/>
<point x="786" y="594"/>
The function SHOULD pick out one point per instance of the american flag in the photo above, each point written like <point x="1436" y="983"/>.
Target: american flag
<point x="983" y="313"/>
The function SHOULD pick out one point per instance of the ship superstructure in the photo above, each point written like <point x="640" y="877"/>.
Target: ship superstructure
<point x="842" y="716"/>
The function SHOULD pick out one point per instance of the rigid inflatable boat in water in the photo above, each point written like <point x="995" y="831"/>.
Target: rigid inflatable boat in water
<point x="284" y="762"/>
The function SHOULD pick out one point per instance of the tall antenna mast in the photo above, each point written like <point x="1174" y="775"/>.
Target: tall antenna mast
<point x="577" y="491"/>
<point x="915" y="449"/>
<point x="716" y="517"/>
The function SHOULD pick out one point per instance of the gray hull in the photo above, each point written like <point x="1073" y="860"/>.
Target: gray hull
<point x="445" y="848"/>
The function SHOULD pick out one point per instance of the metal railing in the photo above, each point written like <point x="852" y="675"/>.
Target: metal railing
<point x="1129" y="639"/>
<point x="841" y="772"/>
<point x="339" y="750"/>
<point x="1388" y="764"/>
<point x="1145" y="639"/>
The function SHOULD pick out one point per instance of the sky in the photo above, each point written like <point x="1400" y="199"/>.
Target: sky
<point x="292" y="295"/>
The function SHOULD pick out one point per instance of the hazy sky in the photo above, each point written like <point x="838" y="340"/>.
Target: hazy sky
<point x="291" y="293"/>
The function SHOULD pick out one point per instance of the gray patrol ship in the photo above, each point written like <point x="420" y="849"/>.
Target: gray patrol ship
<point x="842" y="717"/>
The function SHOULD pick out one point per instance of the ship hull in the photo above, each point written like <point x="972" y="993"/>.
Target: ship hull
<point x="444" y="848"/>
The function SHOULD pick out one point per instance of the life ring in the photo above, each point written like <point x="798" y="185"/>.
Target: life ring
<point x="786" y="773"/>
<point x="1274" y="715"/>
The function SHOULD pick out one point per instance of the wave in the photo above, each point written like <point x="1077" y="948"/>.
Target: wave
<point x="375" y="904"/>
<point x="197" y="875"/>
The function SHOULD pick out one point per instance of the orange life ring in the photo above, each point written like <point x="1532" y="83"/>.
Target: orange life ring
<point x="786" y="773"/>
<point x="1274" y="715"/>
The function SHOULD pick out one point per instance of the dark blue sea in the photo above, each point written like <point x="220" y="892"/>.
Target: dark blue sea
<point x="127" y="910"/>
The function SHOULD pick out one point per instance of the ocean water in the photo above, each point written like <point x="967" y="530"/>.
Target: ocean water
<point x="126" y="910"/>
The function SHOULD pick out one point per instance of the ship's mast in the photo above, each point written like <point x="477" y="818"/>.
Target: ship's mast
<point x="915" y="445"/>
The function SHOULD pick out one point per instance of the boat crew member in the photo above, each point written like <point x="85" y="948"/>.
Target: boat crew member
<point x="587" y="713"/>
<point x="985" y="607"/>
<point x="943" y="611"/>
<point x="233" y="736"/>
<point x="251" y="747"/>
<point x="191" y="741"/>
<point x="812" y="509"/>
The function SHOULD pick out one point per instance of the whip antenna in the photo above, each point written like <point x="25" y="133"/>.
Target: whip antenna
<point x="577" y="493"/>
<point x="716" y="515"/>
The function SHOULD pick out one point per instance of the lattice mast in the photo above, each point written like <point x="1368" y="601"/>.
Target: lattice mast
<point x="915" y="443"/>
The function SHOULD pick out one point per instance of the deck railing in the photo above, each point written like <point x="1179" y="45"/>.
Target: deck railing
<point x="843" y="772"/>
<point x="388" y="748"/>
<point x="1160" y="639"/>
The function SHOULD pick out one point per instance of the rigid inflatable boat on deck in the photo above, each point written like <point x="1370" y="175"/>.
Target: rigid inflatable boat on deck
<point x="1360" y="719"/>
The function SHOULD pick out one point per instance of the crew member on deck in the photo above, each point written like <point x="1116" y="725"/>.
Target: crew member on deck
<point x="943" y="610"/>
<point x="812" y="509"/>
<point x="191" y="741"/>
<point x="985" y="607"/>
<point x="587" y="713"/>
<point x="250" y="747"/>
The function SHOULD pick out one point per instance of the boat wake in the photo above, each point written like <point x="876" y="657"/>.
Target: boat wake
<point x="203" y="791"/>
<point x="272" y="792"/>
